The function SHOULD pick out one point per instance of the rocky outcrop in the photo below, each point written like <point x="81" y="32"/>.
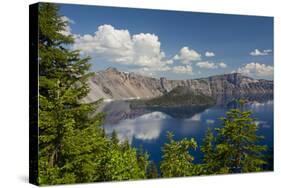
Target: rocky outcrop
<point x="112" y="84"/>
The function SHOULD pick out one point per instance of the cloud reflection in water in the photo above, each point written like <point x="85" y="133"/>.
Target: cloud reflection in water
<point x="145" y="127"/>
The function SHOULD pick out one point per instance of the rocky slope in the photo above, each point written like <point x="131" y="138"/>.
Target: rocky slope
<point x="112" y="84"/>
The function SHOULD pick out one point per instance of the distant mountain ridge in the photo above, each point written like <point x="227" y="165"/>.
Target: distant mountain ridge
<point x="112" y="84"/>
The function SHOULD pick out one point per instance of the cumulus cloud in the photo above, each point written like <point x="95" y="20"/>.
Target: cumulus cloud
<point x="142" y="51"/>
<point x="222" y="65"/>
<point x="210" y="65"/>
<point x="151" y="71"/>
<point x="258" y="52"/>
<point x="187" y="55"/>
<point x="267" y="51"/>
<point x="67" y="19"/>
<point x="67" y="28"/>
<point x="187" y="69"/>
<point x="119" y="46"/>
<point x="256" y="69"/>
<point x="206" y="65"/>
<point x="209" y="54"/>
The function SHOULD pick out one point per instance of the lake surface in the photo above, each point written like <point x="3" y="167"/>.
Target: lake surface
<point x="148" y="127"/>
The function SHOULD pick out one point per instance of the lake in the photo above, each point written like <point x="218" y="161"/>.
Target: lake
<point x="148" y="127"/>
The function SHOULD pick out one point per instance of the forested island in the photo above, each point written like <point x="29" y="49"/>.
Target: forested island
<point x="177" y="97"/>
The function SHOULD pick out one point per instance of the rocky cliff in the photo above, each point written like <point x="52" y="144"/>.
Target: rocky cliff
<point x="112" y="84"/>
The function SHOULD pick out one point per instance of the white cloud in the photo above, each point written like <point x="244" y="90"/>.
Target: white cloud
<point x="209" y="54"/>
<point x="258" y="52"/>
<point x="256" y="69"/>
<point x="210" y="65"/>
<point x="187" y="69"/>
<point x="222" y="65"/>
<point x="151" y="71"/>
<point x="119" y="46"/>
<point x="67" y="28"/>
<point x="67" y="19"/>
<point x="206" y="65"/>
<point x="268" y="51"/>
<point x="142" y="51"/>
<point x="187" y="55"/>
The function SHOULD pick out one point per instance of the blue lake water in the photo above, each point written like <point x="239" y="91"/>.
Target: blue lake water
<point x="148" y="128"/>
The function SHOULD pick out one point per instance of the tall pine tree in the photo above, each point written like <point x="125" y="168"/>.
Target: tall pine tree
<point x="62" y="84"/>
<point x="152" y="171"/>
<point x="72" y="145"/>
<point x="176" y="159"/>
<point x="235" y="148"/>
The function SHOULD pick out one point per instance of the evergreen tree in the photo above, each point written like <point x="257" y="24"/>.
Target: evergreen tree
<point x="236" y="147"/>
<point x="72" y="145"/>
<point x="121" y="163"/>
<point x="152" y="171"/>
<point x="143" y="160"/>
<point x="177" y="160"/>
<point x="207" y="148"/>
<point x="268" y="157"/>
<point x="62" y="117"/>
<point x="114" y="138"/>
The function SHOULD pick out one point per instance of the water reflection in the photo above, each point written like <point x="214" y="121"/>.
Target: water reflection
<point x="210" y="121"/>
<point x="145" y="127"/>
<point x="231" y="100"/>
<point x="120" y="110"/>
<point x="148" y="127"/>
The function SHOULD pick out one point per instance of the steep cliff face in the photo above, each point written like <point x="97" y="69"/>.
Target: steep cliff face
<point x="116" y="85"/>
<point x="112" y="84"/>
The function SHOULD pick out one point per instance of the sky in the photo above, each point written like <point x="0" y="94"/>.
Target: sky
<point x="172" y="44"/>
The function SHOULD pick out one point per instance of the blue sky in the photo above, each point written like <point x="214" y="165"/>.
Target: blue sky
<point x="172" y="43"/>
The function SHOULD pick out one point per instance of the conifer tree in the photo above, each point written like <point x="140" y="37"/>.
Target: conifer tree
<point x="114" y="138"/>
<point x="236" y="147"/>
<point x="143" y="159"/>
<point x="207" y="149"/>
<point x="72" y="145"/>
<point x="177" y="161"/>
<point x="152" y="171"/>
<point x="62" y="117"/>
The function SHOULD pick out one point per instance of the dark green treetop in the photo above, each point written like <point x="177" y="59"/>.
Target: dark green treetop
<point x="177" y="161"/>
<point x="236" y="147"/>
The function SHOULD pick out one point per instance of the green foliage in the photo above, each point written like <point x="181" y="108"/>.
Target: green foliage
<point x="143" y="160"/>
<point x="179" y="96"/>
<point x="122" y="164"/>
<point x="73" y="148"/>
<point x="114" y="138"/>
<point x="61" y="87"/>
<point x="208" y="149"/>
<point x="268" y="157"/>
<point x="235" y="149"/>
<point x="152" y="171"/>
<point x="177" y="160"/>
